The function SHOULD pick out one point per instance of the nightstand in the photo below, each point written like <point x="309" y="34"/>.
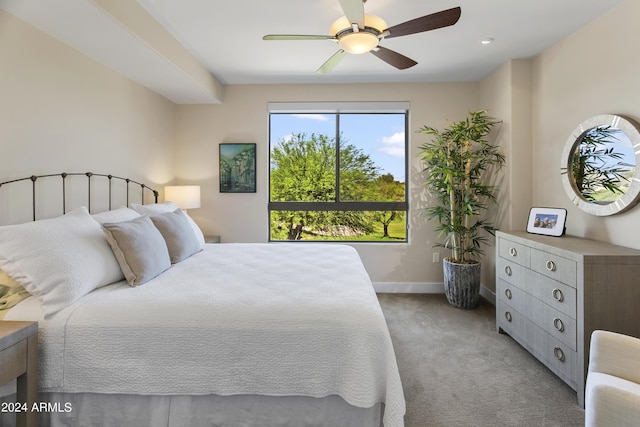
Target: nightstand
<point x="212" y="239"/>
<point x="19" y="359"/>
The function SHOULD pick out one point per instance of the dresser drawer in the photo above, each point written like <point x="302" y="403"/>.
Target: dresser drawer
<point x="558" y="268"/>
<point x="552" y="321"/>
<point x="556" y="355"/>
<point x="555" y="294"/>
<point x="515" y="252"/>
<point x="508" y="270"/>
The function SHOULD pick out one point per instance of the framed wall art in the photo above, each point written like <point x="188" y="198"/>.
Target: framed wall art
<point x="549" y="221"/>
<point x="237" y="168"/>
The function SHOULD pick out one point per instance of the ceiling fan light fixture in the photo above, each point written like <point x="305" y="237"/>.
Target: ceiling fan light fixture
<point x="358" y="40"/>
<point x="339" y="25"/>
<point x="358" y="43"/>
<point x="373" y="21"/>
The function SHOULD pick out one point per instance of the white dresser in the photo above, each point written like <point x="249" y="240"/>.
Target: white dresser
<point x="553" y="292"/>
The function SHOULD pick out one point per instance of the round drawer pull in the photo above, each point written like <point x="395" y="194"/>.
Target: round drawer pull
<point x="508" y="271"/>
<point x="507" y="315"/>
<point x="558" y="353"/>
<point x="558" y="324"/>
<point x="513" y="252"/>
<point x="558" y="295"/>
<point x="507" y="293"/>
<point x="551" y="266"/>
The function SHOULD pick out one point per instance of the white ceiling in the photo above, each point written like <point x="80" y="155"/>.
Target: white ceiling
<point x="226" y="37"/>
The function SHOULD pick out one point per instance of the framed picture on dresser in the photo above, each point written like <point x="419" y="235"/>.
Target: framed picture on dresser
<point x="548" y="221"/>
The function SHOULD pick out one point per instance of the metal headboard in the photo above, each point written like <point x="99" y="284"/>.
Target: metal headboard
<point x="89" y="175"/>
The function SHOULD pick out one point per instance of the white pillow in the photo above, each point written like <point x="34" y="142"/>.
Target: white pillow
<point x="116" y="215"/>
<point x="60" y="259"/>
<point x="157" y="208"/>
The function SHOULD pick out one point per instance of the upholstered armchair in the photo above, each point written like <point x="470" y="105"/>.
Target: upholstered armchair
<point x="612" y="394"/>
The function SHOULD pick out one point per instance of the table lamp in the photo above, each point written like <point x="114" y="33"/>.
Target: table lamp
<point x="185" y="196"/>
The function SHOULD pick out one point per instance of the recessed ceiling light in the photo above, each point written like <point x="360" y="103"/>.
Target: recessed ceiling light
<point x="488" y="40"/>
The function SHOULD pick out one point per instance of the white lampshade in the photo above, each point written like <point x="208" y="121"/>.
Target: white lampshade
<point x="185" y="196"/>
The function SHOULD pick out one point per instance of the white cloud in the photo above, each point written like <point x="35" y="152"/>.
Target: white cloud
<point x="318" y="117"/>
<point x="283" y="139"/>
<point x="393" y="145"/>
<point x="287" y="138"/>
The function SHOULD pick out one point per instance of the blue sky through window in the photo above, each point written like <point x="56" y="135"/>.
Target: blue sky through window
<point x="381" y="136"/>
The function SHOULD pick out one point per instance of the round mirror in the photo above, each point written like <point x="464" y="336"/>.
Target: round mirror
<point x="600" y="165"/>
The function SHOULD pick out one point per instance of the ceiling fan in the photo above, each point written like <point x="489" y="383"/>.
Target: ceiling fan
<point x="359" y="33"/>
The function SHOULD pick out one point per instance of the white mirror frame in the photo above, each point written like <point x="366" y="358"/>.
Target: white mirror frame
<point x="628" y="199"/>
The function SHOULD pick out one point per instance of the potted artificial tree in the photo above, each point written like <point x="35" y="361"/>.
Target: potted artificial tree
<point x="459" y="162"/>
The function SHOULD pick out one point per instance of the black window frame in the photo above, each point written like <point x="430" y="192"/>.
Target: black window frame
<point x="339" y="205"/>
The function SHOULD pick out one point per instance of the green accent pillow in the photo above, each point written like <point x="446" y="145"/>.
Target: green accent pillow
<point x="11" y="293"/>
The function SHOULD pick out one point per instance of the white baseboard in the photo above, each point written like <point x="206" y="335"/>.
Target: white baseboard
<point x="488" y="295"/>
<point x="423" y="288"/>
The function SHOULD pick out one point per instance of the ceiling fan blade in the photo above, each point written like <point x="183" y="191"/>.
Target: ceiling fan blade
<point x="354" y="11"/>
<point x="332" y="62"/>
<point x="391" y="57"/>
<point x="296" y="37"/>
<point x="434" y="21"/>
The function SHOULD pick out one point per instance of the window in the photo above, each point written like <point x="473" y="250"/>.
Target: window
<point x="338" y="172"/>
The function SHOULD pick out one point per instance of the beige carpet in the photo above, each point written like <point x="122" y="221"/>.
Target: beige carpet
<point x="458" y="371"/>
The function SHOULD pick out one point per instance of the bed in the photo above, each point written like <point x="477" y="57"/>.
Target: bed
<point x="224" y="334"/>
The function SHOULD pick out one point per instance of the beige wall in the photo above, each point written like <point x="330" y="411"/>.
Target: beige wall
<point x="61" y="111"/>
<point x="243" y="117"/>
<point x="506" y="93"/>
<point x="593" y="71"/>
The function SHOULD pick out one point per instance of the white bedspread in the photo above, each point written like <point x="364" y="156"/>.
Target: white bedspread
<point x="270" y="319"/>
